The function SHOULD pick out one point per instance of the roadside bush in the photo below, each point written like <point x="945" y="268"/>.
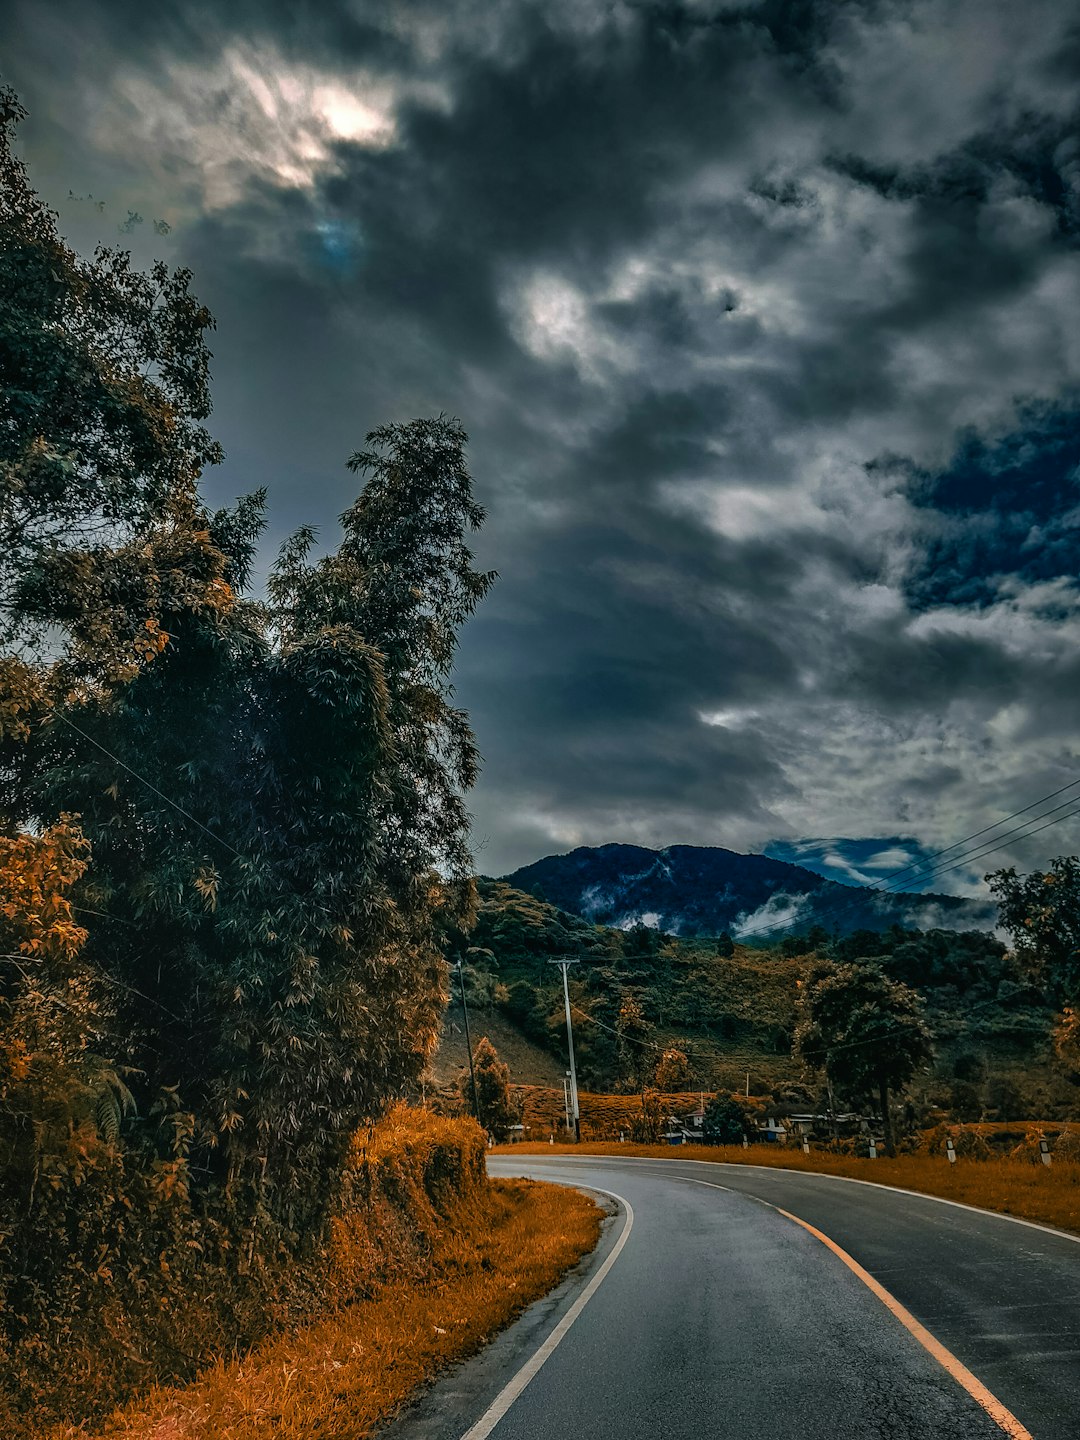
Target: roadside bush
<point x="1029" y="1149"/>
<point x="119" y="1279"/>
<point x="969" y="1144"/>
<point x="965" y="1101"/>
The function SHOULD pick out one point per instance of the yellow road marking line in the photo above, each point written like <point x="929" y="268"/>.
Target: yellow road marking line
<point x="999" y="1413"/>
<point x="960" y="1373"/>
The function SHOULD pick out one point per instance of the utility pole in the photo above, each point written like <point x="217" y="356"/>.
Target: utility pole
<point x="468" y="1045"/>
<point x="564" y="965"/>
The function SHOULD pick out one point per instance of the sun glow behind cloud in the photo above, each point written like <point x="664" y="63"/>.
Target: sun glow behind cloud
<point x="254" y="116"/>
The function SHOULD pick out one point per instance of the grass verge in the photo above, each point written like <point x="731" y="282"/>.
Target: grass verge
<point x="345" y="1374"/>
<point x="1049" y="1195"/>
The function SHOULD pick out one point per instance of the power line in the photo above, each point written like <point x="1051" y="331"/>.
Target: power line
<point x="143" y="780"/>
<point x="992" y="849"/>
<point x="918" y="864"/>
<point x="1020" y="832"/>
<point x="936" y="854"/>
<point x="619" y="1035"/>
<point x="987" y="848"/>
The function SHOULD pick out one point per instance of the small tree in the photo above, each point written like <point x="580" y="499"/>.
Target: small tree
<point x="499" y="1110"/>
<point x="636" y="1049"/>
<point x="672" y="1071"/>
<point x="725" y="946"/>
<point x="725" y="1121"/>
<point x="864" y="1030"/>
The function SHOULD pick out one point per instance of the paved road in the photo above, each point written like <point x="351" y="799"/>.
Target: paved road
<point x="722" y="1318"/>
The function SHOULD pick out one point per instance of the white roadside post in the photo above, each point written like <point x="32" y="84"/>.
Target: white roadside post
<point x="564" y="964"/>
<point x="806" y="1147"/>
<point x="950" y="1150"/>
<point x="873" y="1148"/>
<point x="1044" y="1152"/>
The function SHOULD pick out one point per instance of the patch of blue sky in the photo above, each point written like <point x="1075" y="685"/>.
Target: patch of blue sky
<point x="871" y="861"/>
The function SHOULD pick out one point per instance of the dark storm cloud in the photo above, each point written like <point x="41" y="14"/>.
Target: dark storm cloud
<point x="1006" y="510"/>
<point x="762" y="318"/>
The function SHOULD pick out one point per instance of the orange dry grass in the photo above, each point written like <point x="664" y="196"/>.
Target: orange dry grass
<point x="347" y="1373"/>
<point x="602" y="1116"/>
<point x="1031" y="1191"/>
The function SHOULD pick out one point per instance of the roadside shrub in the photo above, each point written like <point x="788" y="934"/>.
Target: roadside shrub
<point x="1029" y="1149"/>
<point x="119" y="1279"/>
<point x="1067" y="1145"/>
<point x="969" y="1144"/>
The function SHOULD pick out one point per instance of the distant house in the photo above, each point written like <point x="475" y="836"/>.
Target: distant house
<point x="773" y="1130"/>
<point x="685" y="1129"/>
<point x="804" y="1124"/>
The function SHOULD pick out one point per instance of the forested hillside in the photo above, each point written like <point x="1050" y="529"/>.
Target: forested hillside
<point x="732" y="1008"/>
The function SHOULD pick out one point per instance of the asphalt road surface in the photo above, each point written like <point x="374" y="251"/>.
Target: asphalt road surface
<point x="711" y="1314"/>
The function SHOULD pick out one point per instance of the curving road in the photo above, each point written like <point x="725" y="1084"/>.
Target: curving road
<point x="711" y="1313"/>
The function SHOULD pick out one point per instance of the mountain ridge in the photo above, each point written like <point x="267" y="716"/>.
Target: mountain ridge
<point x="693" y="890"/>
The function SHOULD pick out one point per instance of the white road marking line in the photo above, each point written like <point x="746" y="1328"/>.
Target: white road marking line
<point x="999" y="1413"/>
<point x="510" y="1391"/>
<point x="818" y="1175"/>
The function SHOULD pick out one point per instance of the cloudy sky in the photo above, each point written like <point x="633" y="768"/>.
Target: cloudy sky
<point x="764" y="322"/>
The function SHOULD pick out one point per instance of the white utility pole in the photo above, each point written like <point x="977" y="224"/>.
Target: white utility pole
<point x="564" y="965"/>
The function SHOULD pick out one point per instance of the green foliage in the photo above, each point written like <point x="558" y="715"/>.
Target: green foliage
<point x="866" y="1031"/>
<point x="1041" y="912"/>
<point x="103" y="390"/>
<point x="672" y="1071"/>
<point x="725" y="1121"/>
<point x="725" y="946"/>
<point x="272" y="928"/>
<point x="237" y="957"/>
<point x="970" y="960"/>
<point x="715" y="1005"/>
<point x="499" y="1109"/>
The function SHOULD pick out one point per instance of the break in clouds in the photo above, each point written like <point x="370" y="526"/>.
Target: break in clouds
<point x="764" y="321"/>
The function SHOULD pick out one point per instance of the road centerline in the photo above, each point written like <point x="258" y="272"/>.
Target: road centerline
<point x="1001" y="1415"/>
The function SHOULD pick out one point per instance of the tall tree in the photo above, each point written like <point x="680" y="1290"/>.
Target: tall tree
<point x="103" y="391"/>
<point x="1041" y="913"/>
<point x="672" y="1072"/>
<point x="864" y="1030"/>
<point x="278" y="891"/>
<point x="272" y="794"/>
<point x="638" y="1052"/>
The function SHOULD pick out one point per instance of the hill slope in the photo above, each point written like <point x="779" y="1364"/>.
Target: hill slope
<point x="732" y="1010"/>
<point x="699" y="890"/>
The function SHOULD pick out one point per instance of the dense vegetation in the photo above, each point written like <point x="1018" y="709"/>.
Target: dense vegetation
<point x="232" y="832"/>
<point x="731" y="1008"/>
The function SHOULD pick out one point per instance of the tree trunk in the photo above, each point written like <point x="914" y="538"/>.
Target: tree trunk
<point x="886" y="1119"/>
